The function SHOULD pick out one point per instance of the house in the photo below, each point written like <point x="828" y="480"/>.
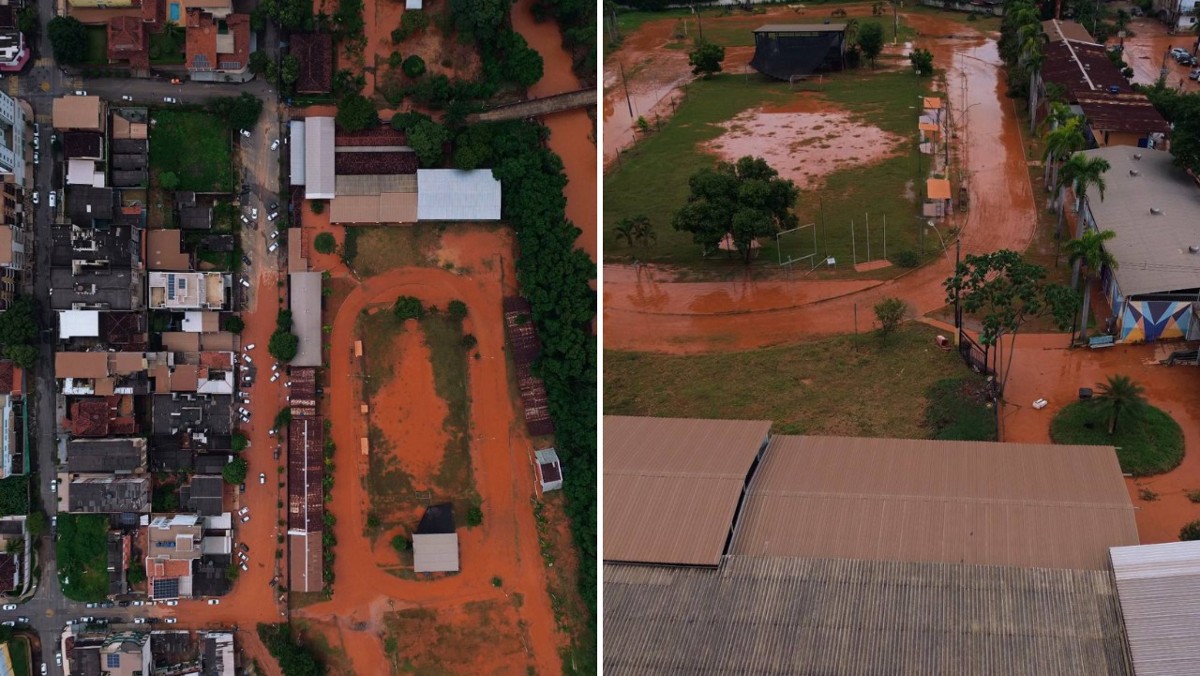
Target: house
<point x="203" y="495"/>
<point x="105" y="416"/>
<point x="319" y="158"/>
<point x="306" y="499"/>
<point x="14" y="53"/>
<point x="315" y="52"/>
<point x="193" y="214"/>
<point x="83" y="113"/>
<point x="457" y="195"/>
<point x="218" y="45"/>
<point x="938" y="203"/>
<point x="1156" y="586"/>
<point x="129" y="41"/>
<point x="164" y="251"/>
<point x="12" y="436"/>
<point x="173" y="543"/>
<point x="118" y="549"/>
<point x="785" y="51"/>
<point x="106" y="493"/>
<point x="107" y="456"/>
<point x="193" y="413"/>
<point x="305" y="298"/>
<point x="435" y="542"/>
<point x="12" y="262"/>
<point x="1149" y="204"/>
<point x="1177" y="14"/>
<point x="549" y="470"/>
<point x="16" y="555"/>
<point x="188" y="290"/>
<point x="1056" y="30"/>
<point x="1123" y="120"/>
<point x="12" y="140"/>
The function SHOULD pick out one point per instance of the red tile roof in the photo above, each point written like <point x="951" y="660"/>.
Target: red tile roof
<point x="201" y="48"/>
<point x="128" y="41"/>
<point x="315" y="51"/>
<point x="6" y="377"/>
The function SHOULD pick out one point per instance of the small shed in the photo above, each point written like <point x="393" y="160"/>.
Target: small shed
<point x="435" y="543"/>
<point x="937" y="198"/>
<point x="549" y="469"/>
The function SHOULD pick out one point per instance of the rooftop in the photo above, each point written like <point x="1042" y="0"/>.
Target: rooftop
<point x="456" y="195"/>
<point x="1081" y="67"/>
<point x="672" y="486"/>
<point x="164" y="250"/>
<point x="1159" y="589"/>
<point x="801" y="28"/>
<point x="435" y="552"/>
<point x="318" y="158"/>
<point x="100" y="289"/>
<point x="83" y="144"/>
<point x="106" y="455"/>
<point x="187" y="290"/>
<point x="78" y="112"/>
<point x="108" y="494"/>
<point x="305" y="297"/>
<point x="306" y="471"/>
<point x="1122" y="112"/>
<point x="315" y="51"/>
<point x="197" y="413"/>
<point x="1060" y="31"/>
<point x="1150" y="248"/>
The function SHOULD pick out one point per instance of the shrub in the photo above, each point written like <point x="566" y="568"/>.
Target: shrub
<point x="414" y="66"/>
<point x="235" y="472"/>
<point x="469" y="342"/>
<point x="373" y="521"/>
<point x="1190" y="532"/>
<point x="408" y="307"/>
<point x="395" y="59"/>
<point x="1147" y="495"/>
<point x="1193" y="496"/>
<point x="317" y="206"/>
<point x="234" y="324"/>
<point x="474" y="516"/>
<point x="497" y="582"/>
<point x="889" y="312"/>
<point x="284" y="417"/>
<point x="325" y="243"/>
<point x="905" y="259"/>
<point x="400" y="543"/>
<point x="239" y="442"/>
<point x="457" y="310"/>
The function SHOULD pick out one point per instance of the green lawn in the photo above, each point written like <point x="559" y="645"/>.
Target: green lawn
<point x="18" y="650"/>
<point x="196" y="146"/>
<point x="167" y="47"/>
<point x="817" y="387"/>
<point x="97" y="45"/>
<point x="652" y="176"/>
<point x="1151" y="444"/>
<point x="82" y="558"/>
<point x="957" y="410"/>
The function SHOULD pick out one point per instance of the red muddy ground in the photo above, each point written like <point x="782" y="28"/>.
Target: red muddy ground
<point x="571" y="132"/>
<point x="506" y="545"/>
<point x="408" y="410"/>
<point x="1001" y="215"/>
<point x="1145" y="52"/>
<point x="1044" y="368"/>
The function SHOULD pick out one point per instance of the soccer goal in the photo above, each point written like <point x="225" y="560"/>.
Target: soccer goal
<point x="796" y="241"/>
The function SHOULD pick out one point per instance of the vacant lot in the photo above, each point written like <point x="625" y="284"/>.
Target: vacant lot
<point x="82" y="562"/>
<point x="195" y="146"/>
<point x="377" y="249"/>
<point x="820" y="387"/>
<point x="481" y="637"/>
<point x="652" y="177"/>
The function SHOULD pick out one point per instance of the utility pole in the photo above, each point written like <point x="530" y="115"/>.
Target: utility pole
<point x="699" y="25"/>
<point x="625" y="83"/>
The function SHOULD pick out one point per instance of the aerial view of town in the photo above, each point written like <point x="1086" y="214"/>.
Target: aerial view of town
<point x="901" y="303"/>
<point x="297" y="326"/>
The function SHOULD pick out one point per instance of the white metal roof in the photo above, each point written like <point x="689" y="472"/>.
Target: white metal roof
<point x="1159" y="589"/>
<point x="306" y="317"/>
<point x="435" y="552"/>
<point x="79" y="323"/>
<point x="296" y="136"/>
<point x="318" y="158"/>
<point x="456" y="195"/>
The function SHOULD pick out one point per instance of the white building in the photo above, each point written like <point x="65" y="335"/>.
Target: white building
<point x="12" y="139"/>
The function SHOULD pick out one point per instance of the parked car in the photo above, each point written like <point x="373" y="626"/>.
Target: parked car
<point x="170" y="620"/>
<point x="53" y="489"/>
<point x="274" y="377"/>
<point x="275" y="144"/>
<point x="254" y="213"/>
<point x="44" y="670"/>
<point x="10" y="606"/>
<point x="262" y="478"/>
<point x="246" y="259"/>
<point x="8" y="623"/>
<point x="53" y="198"/>
<point x="243" y="511"/>
<point x="35" y="158"/>
<point x="170" y="99"/>
<point x="22" y="620"/>
<point x="80" y="92"/>
<point x="58" y="658"/>
<point x="273" y="248"/>
<point x="245" y="518"/>
<point x="244" y="566"/>
<point x="1195" y="74"/>
<point x="273" y="206"/>
<point x="123" y="604"/>
<point x="214" y="602"/>
<point x="1178" y="51"/>
<point x="126" y="97"/>
<point x="35" y="198"/>
<point x="274" y="234"/>
<point x="249" y="347"/>
<point x="245" y="219"/>
<point x="245" y="547"/>
<point x="108" y="604"/>
<point x="37" y="128"/>
<point x="172" y="603"/>
<point x="272" y="432"/>
<point x="245" y="282"/>
<point x="139" y="620"/>
<point x="248" y="359"/>
<point x="90" y="605"/>
<point x="1136" y="11"/>
<point x="246" y="133"/>
<point x="36" y="142"/>
<point x="272" y="216"/>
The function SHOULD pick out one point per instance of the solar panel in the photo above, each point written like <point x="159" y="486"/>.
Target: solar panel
<point x="166" y="589"/>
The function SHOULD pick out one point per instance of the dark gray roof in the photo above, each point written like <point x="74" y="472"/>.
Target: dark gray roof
<point x="218" y="242"/>
<point x="211" y="462"/>
<point x="87" y="205"/>
<point x="117" y="583"/>
<point x="114" y="245"/>
<point x="130" y="178"/>
<point x="106" y="455"/>
<point x="203" y="495"/>
<point x="195" y="218"/>
<point x="85" y="661"/>
<point x="83" y="144"/>
<point x="130" y="146"/>
<point x="209" y="575"/>
<point x="128" y="162"/>
<point x="823" y="616"/>
<point x="98" y="289"/>
<point x="106" y="495"/>
<point x="173" y="414"/>
<point x="171" y="648"/>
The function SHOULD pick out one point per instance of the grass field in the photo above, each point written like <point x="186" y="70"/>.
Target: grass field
<point x="97" y="46"/>
<point x="377" y="249"/>
<point x="18" y="650"/>
<point x="195" y="146"/>
<point x="819" y="387"/>
<point x="82" y="559"/>
<point x="652" y="177"/>
<point x="1151" y="444"/>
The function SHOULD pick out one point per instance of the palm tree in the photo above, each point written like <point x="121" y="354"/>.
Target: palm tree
<point x="1088" y="251"/>
<point x="1065" y="139"/>
<point x="637" y="229"/>
<point x="1119" y="394"/>
<point x="1080" y="172"/>
<point x="851" y="31"/>
<point x="624" y="231"/>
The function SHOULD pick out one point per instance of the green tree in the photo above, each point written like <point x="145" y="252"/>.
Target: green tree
<point x="1004" y="291"/>
<point x="234" y="324"/>
<point x="18" y="324"/>
<point x="427" y="139"/>
<point x="260" y="63"/>
<point x="238" y="442"/>
<point x="457" y="310"/>
<point x="1088" y="251"/>
<point x="522" y="63"/>
<point x="356" y="112"/>
<point x="136" y="573"/>
<point x="27" y="20"/>
<point x="889" y="312"/>
<point x="283" y="345"/>
<point x="408" y="307"/>
<point x="24" y="356"/>
<point x="324" y="243"/>
<point x="746" y="199"/>
<point x="638" y="229"/>
<point x="1119" y="394"/>
<point x="289" y="69"/>
<point x="705" y="58"/>
<point x="284" y="417"/>
<point x="870" y="40"/>
<point x="475" y="515"/>
<point x="1190" y="531"/>
<point x="36" y="523"/>
<point x="1080" y="173"/>
<point x="68" y="39"/>
<point x="400" y="543"/>
<point x="414" y="66"/>
<point x="922" y="61"/>
<point x="235" y="472"/>
<point x="1063" y="138"/>
<point x="168" y="180"/>
<point x="480" y="20"/>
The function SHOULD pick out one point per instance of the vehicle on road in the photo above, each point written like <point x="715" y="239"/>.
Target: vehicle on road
<point x="126" y="97"/>
<point x="214" y="602"/>
<point x="249" y="347"/>
<point x="244" y="566"/>
<point x="246" y="133"/>
<point x="273" y="248"/>
<point x="53" y="489"/>
<point x="248" y="359"/>
<point x="10" y="606"/>
<point x="22" y="620"/>
<point x="170" y="99"/>
<point x="170" y="620"/>
<point x="245" y="547"/>
<point x="80" y="92"/>
<point x="35" y="198"/>
<point x="262" y="478"/>
<point x="244" y="510"/>
<point x="139" y="620"/>
<point x="273" y="206"/>
<point x="245" y="518"/>
<point x="172" y="603"/>
<point x="53" y="198"/>
<point x="35" y="157"/>
<point x="58" y="658"/>
<point x="44" y="670"/>
<point x="245" y="282"/>
<point x="245" y="219"/>
<point x="272" y="216"/>
<point x="246" y="260"/>
<point x="274" y="377"/>
<point x="254" y="213"/>
<point x="275" y="144"/>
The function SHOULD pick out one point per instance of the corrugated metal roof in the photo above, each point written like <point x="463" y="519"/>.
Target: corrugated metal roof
<point x="435" y="552"/>
<point x="1049" y="506"/>
<point x="671" y="486"/>
<point x="1159" y="590"/>
<point x="305" y="298"/>
<point x="318" y="158"/>
<point x="811" y="616"/>
<point x="296" y="141"/>
<point x="801" y="28"/>
<point x="456" y="195"/>
<point x="1151" y="249"/>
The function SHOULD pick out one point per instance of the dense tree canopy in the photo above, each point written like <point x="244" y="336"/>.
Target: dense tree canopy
<point x="19" y="331"/>
<point x="68" y="38"/>
<point x="356" y="112"/>
<point x="235" y="471"/>
<point x="480" y="20"/>
<point x="242" y="111"/>
<point x="427" y="139"/>
<point x="746" y="199"/>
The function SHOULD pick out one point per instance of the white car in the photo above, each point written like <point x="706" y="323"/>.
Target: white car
<point x="170" y="620"/>
<point x="54" y="488"/>
<point x="214" y="602"/>
<point x="273" y="248"/>
<point x="275" y="144"/>
<point x="126" y="97"/>
<point x="254" y="213"/>
<point x="35" y="157"/>
<point x="245" y="219"/>
<point x="243" y="511"/>
<point x="251" y="346"/>
<point x="92" y="605"/>
<point x="248" y="358"/>
<point x="272" y="432"/>
<point x="58" y="657"/>
<point x="139" y="620"/>
<point x="275" y="366"/>
<point x="245" y="518"/>
<point x="274" y="377"/>
<point x="138" y="603"/>
<point x="53" y="199"/>
<point x="172" y="603"/>
<point x="245" y="282"/>
<point x="170" y="99"/>
<point x="274" y="234"/>
<point x="35" y="198"/>
<point x="262" y="478"/>
<point x="80" y="92"/>
<point x="44" y="670"/>
<point x="288" y="384"/>
<point x="272" y="216"/>
<point x="246" y="133"/>
<point x="245" y="567"/>
<point x="10" y="606"/>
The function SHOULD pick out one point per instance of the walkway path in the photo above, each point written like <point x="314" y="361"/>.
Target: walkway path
<point x="538" y="107"/>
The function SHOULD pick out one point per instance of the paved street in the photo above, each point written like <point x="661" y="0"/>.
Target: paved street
<point x="49" y="610"/>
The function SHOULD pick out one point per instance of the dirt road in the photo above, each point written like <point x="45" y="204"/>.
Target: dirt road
<point x="571" y="136"/>
<point x="506" y="545"/>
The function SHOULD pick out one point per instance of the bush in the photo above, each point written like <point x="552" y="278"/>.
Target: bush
<point x="395" y="59"/>
<point x="325" y="243"/>
<point x="469" y="342"/>
<point x="1193" y="496"/>
<point x="295" y="658"/>
<point x="283" y="345"/>
<point x="234" y="324"/>
<point x="356" y="112"/>
<point x="474" y="516"/>
<point x="905" y="259"/>
<point x="1150" y="444"/>
<point x="408" y="307"/>
<point x="497" y="582"/>
<point x="956" y="409"/>
<point x="283" y="418"/>
<point x="457" y="310"/>
<point x="239" y="442"/>
<point x="889" y="312"/>
<point x="235" y="472"/>
<point x="400" y="544"/>
<point x="14" y="496"/>
<point x="317" y="206"/>
<point x="414" y="66"/>
<point x="1190" y="532"/>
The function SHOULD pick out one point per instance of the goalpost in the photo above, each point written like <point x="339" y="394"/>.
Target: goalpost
<point x="811" y="258"/>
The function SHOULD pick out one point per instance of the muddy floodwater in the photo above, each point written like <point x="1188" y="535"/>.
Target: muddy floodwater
<point x="804" y="147"/>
